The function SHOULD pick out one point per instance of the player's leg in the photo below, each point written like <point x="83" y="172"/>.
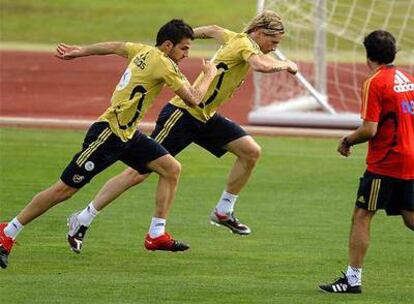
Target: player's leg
<point x="221" y="135"/>
<point x="146" y="155"/>
<point x="111" y="190"/>
<point x="168" y="169"/>
<point x="248" y="153"/>
<point x="175" y="130"/>
<point x="350" y="282"/>
<point x="117" y="185"/>
<point x="79" y="172"/>
<point x="40" y="203"/>
<point x="408" y="217"/>
<point x="45" y="200"/>
<point x="101" y="148"/>
<point x="170" y="130"/>
<point x="80" y="221"/>
<point x="359" y="241"/>
<point x="375" y="192"/>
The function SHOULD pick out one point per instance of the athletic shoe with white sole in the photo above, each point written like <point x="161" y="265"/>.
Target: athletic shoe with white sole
<point x="229" y="221"/>
<point x="76" y="233"/>
<point x="341" y="285"/>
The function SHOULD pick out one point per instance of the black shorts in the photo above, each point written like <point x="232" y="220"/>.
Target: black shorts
<point x="176" y="129"/>
<point x="384" y="192"/>
<point x="101" y="148"/>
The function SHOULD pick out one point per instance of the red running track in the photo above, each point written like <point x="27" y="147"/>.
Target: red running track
<point x="36" y="84"/>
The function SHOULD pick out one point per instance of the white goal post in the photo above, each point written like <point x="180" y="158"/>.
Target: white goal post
<point x="324" y="37"/>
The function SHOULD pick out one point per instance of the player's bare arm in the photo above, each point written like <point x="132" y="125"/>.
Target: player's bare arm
<point x="66" y="51"/>
<point x="210" y="31"/>
<point x="267" y="64"/>
<point x="365" y="132"/>
<point x="193" y="95"/>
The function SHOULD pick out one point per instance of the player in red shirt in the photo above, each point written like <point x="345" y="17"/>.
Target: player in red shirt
<point x="387" y="111"/>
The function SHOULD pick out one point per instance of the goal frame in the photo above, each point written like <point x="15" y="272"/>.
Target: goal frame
<point x="313" y="109"/>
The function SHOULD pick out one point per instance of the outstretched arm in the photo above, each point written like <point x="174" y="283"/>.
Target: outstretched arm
<point x="67" y="52"/>
<point x="210" y="31"/>
<point x="267" y="64"/>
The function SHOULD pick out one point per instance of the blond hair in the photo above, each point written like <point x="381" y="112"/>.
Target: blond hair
<point x="269" y="21"/>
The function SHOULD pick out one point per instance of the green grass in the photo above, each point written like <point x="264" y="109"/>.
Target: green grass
<point x="298" y="204"/>
<point x="41" y="24"/>
<point x="85" y="21"/>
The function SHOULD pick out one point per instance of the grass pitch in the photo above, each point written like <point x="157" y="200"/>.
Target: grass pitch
<point x="89" y="21"/>
<point x="86" y="21"/>
<point x="298" y="205"/>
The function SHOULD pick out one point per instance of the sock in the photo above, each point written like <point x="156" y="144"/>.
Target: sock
<point x="87" y="215"/>
<point x="354" y="275"/>
<point x="157" y="227"/>
<point x="13" y="228"/>
<point x="226" y="203"/>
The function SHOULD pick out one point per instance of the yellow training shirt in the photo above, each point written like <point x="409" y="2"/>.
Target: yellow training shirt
<point x="147" y="72"/>
<point x="231" y="61"/>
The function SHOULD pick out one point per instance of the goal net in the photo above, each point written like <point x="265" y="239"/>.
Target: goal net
<point x="324" y="37"/>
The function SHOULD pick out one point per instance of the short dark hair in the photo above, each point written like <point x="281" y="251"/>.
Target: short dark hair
<point x="380" y="46"/>
<point x="175" y="31"/>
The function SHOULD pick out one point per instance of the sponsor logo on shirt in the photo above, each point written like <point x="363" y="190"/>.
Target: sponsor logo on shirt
<point x="408" y="106"/>
<point x="402" y="83"/>
<point x="140" y="61"/>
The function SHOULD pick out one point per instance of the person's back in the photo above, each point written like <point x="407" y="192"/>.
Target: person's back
<point x="387" y="110"/>
<point x="389" y="100"/>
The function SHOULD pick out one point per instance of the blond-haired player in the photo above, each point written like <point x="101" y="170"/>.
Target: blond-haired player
<point x="179" y="125"/>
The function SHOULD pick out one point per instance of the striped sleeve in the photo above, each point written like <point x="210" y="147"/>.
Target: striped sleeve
<point x="370" y="100"/>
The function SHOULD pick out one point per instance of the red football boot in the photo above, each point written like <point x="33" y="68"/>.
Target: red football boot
<point x="6" y="244"/>
<point x="164" y="242"/>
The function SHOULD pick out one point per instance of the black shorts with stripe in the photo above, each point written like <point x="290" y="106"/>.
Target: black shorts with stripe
<point x="176" y="129"/>
<point x="101" y="148"/>
<point x="384" y="192"/>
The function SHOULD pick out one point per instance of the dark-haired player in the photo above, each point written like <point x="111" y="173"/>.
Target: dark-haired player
<point x="179" y="125"/>
<point x="114" y="135"/>
<point x="388" y="125"/>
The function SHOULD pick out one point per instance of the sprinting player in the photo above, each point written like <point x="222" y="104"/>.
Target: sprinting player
<point x="114" y="135"/>
<point x="179" y="125"/>
<point x="388" y="126"/>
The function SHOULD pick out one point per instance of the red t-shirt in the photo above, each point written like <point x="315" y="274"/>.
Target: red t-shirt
<point x="388" y="98"/>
